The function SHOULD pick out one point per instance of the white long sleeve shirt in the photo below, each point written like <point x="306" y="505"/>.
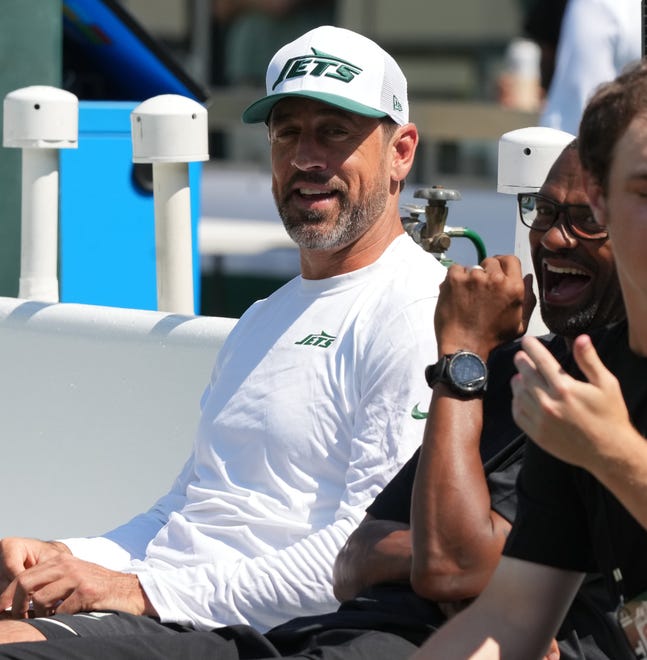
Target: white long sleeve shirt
<point x="598" y="38"/>
<point x="307" y="416"/>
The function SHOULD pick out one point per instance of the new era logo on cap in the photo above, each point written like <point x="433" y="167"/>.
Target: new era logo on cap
<point x="336" y="66"/>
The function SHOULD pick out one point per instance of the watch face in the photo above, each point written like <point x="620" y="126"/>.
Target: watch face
<point x="467" y="371"/>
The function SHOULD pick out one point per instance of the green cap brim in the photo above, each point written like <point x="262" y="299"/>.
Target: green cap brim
<point x="259" y="111"/>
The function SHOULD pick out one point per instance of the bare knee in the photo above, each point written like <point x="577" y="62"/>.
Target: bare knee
<point x="19" y="631"/>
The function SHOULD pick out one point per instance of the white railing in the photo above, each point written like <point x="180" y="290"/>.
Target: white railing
<point x="99" y="408"/>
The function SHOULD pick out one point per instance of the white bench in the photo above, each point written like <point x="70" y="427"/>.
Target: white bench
<point x="99" y="407"/>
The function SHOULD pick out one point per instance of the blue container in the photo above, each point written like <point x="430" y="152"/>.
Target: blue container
<point x="107" y="219"/>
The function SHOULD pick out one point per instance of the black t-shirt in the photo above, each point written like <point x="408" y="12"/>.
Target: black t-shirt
<point x="589" y="630"/>
<point x="559" y="501"/>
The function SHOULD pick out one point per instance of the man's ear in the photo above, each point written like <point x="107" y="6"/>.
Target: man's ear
<point x="405" y="141"/>
<point x="597" y="198"/>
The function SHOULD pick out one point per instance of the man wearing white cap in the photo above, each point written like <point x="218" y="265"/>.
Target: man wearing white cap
<point x="309" y="409"/>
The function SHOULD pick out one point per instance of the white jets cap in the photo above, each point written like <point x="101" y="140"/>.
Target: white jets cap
<point x="339" y="67"/>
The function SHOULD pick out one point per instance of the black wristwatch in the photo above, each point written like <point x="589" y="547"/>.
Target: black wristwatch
<point x="464" y="372"/>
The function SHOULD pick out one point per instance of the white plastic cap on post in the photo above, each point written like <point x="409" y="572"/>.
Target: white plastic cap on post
<point x="169" y="129"/>
<point x="526" y="155"/>
<point x="41" y="117"/>
<point x="525" y="158"/>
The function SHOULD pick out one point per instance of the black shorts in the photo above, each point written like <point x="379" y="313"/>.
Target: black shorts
<point x="101" y="624"/>
<point x="231" y="643"/>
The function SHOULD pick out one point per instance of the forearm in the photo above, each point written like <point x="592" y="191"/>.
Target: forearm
<point x="521" y="610"/>
<point x="377" y="551"/>
<point x="457" y="539"/>
<point x="262" y="591"/>
<point x="621" y="466"/>
<point x="473" y="629"/>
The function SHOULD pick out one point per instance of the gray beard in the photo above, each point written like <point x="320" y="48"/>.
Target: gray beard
<point x="352" y="223"/>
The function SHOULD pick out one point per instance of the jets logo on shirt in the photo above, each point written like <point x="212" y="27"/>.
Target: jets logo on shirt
<point x="321" y="339"/>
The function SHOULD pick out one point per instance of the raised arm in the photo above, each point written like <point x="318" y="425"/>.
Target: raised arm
<point x="457" y="537"/>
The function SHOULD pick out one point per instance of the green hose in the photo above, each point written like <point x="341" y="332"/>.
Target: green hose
<point x="477" y="241"/>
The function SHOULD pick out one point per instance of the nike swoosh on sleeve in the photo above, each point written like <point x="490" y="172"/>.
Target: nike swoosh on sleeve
<point x="418" y="414"/>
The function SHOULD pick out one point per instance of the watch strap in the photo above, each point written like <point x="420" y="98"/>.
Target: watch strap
<point x="437" y="373"/>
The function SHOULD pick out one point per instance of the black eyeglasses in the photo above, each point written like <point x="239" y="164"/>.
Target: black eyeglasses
<point x="540" y="213"/>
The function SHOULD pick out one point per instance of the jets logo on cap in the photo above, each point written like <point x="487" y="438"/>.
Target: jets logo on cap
<point x="318" y="64"/>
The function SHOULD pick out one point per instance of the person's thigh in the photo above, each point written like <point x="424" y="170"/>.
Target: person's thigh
<point x="233" y="644"/>
<point x="98" y="624"/>
<point x="194" y="645"/>
<point x="356" y="645"/>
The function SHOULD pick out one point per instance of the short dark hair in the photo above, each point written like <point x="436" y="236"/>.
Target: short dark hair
<point x="573" y="144"/>
<point x="606" y="118"/>
<point x="390" y="127"/>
